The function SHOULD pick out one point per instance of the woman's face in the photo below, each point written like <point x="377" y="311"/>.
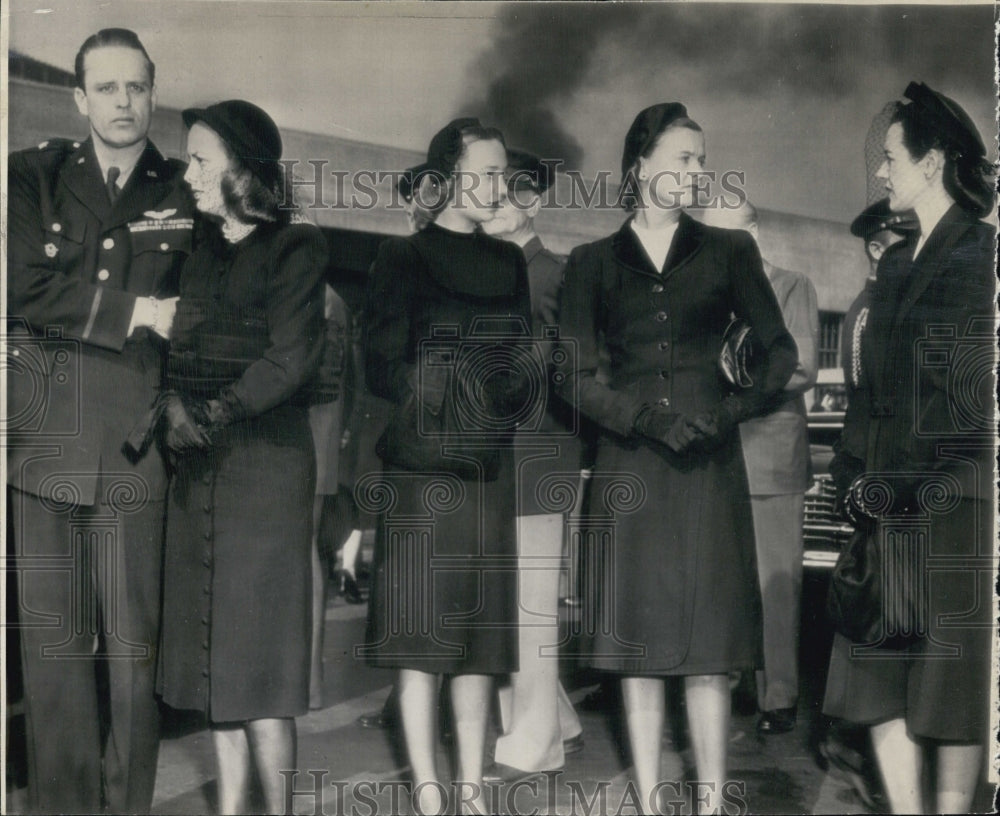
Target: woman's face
<point x="479" y="180"/>
<point x="208" y="162"/>
<point x="905" y="179"/>
<point x="668" y="175"/>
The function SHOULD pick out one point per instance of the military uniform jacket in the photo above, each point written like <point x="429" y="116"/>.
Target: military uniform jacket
<point x="76" y="264"/>
<point x="925" y="402"/>
<point x="776" y="445"/>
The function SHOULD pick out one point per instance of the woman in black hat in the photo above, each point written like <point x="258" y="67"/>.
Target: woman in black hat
<point x="444" y="584"/>
<point x="915" y="463"/>
<point x="246" y="342"/>
<point x="680" y="590"/>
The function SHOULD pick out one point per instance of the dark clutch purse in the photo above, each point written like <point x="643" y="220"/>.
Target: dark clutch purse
<point x="736" y="355"/>
<point x="874" y="595"/>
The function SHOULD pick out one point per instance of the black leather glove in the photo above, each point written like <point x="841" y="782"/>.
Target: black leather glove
<point x="184" y="432"/>
<point x="715" y="425"/>
<point x="676" y="431"/>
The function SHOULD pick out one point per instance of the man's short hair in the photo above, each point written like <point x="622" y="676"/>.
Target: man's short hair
<point x="120" y="37"/>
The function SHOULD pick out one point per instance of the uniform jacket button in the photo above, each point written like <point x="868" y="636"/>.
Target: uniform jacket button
<point x="664" y="374"/>
<point x="57" y="227"/>
<point x="204" y="644"/>
<point x="657" y="288"/>
<point x="206" y="562"/>
<point x="665" y="402"/>
<point x="664" y="345"/>
<point x="661" y="317"/>
<point x="204" y="621"/>
<point x="103" y="275"/>
<point x="204" y="672"/>
<point x="108" y="243"/>
<point x="164" y="246"/>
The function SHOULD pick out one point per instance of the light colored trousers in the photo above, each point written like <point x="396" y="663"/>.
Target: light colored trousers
<point x="535" y="711"/>
<point x="777" y="525"/>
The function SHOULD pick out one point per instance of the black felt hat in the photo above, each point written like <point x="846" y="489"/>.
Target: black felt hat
<point x="250" y="133"/>
<point x="646" y="128"/>
<point x="877" y="218"/>
<point x="950" y="120"/>
<point x="525" y="171"/>
<point x="446" y="146"/>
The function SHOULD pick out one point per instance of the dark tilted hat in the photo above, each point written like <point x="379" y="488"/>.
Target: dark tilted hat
<point x="877" y="218"/>
<point x="408" y="179"/>
<point x="446" y="146"/>
<point x="646" y="128"/>
<point x="951" y="122"/>
<point x="250" y="133"/>
<point x="525" y="171"/>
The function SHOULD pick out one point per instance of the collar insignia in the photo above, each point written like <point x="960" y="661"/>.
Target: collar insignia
<point x="51" y="250"/>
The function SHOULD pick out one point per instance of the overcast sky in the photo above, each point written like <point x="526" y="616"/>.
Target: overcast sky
<point x="784" y="92"/>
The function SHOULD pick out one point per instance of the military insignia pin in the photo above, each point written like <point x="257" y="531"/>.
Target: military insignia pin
<point x="51" y="250"/>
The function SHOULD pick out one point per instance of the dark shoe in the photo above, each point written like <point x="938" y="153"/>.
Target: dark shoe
<point x="349" y="589"/>
<point x="779" y="721"/>
<point x="573" y="745"/>
<point x="860" y="772"/>
<point x="377" y="719"/>
<point x="496" y="773"/>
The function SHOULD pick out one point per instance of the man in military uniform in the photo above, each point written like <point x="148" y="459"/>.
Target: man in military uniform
<point x="539" y="723"/>
<point x="97" y="234"/>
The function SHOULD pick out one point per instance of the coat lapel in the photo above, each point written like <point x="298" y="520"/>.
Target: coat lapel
<point x="145" y="188"/>
<point x="949" y="229"/>
<point x="82" y="178"/>
<point x="684" y="246"/>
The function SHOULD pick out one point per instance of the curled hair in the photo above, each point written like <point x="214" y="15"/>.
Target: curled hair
<point x="262" y="194"/>
<point x="111" y="37"/>
<point x="969" y="180"/>
<point x="432" y="189"/>
<point x="629" y="196"/>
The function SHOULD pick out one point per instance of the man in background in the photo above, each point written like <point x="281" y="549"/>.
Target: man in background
<point x="539" y="724"/>
<point x="776" y="450"/>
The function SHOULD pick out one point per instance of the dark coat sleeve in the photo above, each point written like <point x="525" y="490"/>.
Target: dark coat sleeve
<point x="295" y="299"/>
<point x="754" y="301"/>
<point x="581" y="322"/>
<point x="39" y="290"/>
<point x="388" y="367"/>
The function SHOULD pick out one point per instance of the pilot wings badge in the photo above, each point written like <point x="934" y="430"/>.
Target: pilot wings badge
<point x="159" y="215"/>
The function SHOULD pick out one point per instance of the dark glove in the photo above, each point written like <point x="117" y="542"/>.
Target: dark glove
<point x="184" y="432"/>
<point x="675" y="431"/>
<point x="715" y="425"/>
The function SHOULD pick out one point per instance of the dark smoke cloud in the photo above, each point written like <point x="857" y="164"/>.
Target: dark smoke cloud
<point x="545" y="54"/>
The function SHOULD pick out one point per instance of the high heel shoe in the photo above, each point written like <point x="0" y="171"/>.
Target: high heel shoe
<point x="349" y="588"/>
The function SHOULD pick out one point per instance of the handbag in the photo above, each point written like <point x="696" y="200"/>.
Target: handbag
<point x="427" y="434"/>
<point x="875" y="590"/>
<point x="736" y="355"/>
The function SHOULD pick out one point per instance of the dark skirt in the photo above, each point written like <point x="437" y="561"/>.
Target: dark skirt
<point x="941" y="683"/>
<point x="237" y="579"/>
<point x="670" y="562"/>
<point x="444" y="589"/>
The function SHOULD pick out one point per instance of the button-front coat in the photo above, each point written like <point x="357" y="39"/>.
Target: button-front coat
<point x="671" y="536"/>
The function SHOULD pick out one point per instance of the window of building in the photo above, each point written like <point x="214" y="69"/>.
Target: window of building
<point x="830" y="326"/>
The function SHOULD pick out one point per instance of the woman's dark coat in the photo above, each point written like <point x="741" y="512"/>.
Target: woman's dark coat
<point x="672" y="536"/>
<point x="237" y="582"/>
<point x="922" y="423"/>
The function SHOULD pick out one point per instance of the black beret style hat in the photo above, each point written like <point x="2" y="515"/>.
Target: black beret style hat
<point x="646" y="128"/>
<point x="527" y="172"/>
<point x="951" y="122"/>
<point x="877" y="218"/>
<point x="249" y="131"/>
<point x="407" y="179"/>
<point x="446" y="146"/>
